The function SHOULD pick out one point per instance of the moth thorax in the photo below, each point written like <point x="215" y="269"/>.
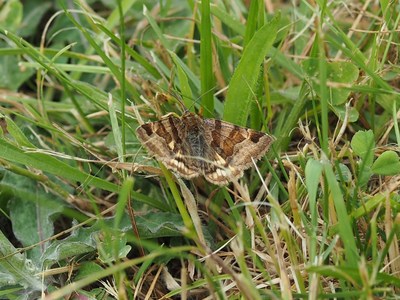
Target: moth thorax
<point x="196" y="142"/>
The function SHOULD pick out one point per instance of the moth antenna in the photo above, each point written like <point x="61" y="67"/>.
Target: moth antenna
<point x="198" y="101"/>
<point x="177" y="98"/>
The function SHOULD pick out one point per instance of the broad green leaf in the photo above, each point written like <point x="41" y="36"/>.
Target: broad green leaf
<point x="84" y="240"/>
<point x="313" y="173"/>
<point x="243" y="82"/>
<point x="11" y="75"/>
<point x="345" y="172"/>
<point x="15" y="269"/>
<point x="87" y="268"/>
<point x="32" y="16"/>
<point x="108" y="246"/>
<point x="31" y="212"/>
<point x="352" y="113"/>
<point x="363" y="144"/>
<point x="81" y="241"/>
<point x="339" y="73"/>
<point x="11" y="15"/>
<point x="387" y="164"/>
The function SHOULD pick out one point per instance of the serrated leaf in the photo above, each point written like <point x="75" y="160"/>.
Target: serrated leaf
<point x="387" y="164"/>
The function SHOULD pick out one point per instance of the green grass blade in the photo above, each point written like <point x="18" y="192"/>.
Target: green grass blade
<point x="156" y="28"/>
<point x="228" y="20"/>
<point x="206" y="63"/>
<point x="52" y="165"/>
<point x="118" y="140"/>
<point x="243" y="83"/>
<point x="345" y="228"/>
<point x="184" y="86"/>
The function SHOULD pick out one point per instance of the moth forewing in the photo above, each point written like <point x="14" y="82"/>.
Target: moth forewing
<point x="192" y="146"/>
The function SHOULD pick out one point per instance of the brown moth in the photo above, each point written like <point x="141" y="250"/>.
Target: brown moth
<point x="192" y="146"/>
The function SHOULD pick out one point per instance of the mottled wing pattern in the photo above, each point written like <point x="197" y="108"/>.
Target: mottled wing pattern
<point x="192" y="146"/>
<point x="164" y="140"/>
<point x="234" y="147"/>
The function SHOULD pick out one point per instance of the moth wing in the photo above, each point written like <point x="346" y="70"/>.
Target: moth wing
<point x="163" y="139"/>
<point x="234" y="148"/>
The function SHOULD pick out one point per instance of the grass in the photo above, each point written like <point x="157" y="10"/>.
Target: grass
<point x="86" y="213"/>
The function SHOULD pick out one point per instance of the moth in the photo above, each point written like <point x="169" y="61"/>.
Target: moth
<point x="192" y="146"/>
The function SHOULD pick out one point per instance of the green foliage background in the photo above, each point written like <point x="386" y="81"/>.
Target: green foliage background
<point x="85" y="212"/>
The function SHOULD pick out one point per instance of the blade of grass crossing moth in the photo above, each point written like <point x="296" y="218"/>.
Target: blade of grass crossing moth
<point x="179" y="203"/>
<point x="237" y="102"/>
<point x="206" y="61"/>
